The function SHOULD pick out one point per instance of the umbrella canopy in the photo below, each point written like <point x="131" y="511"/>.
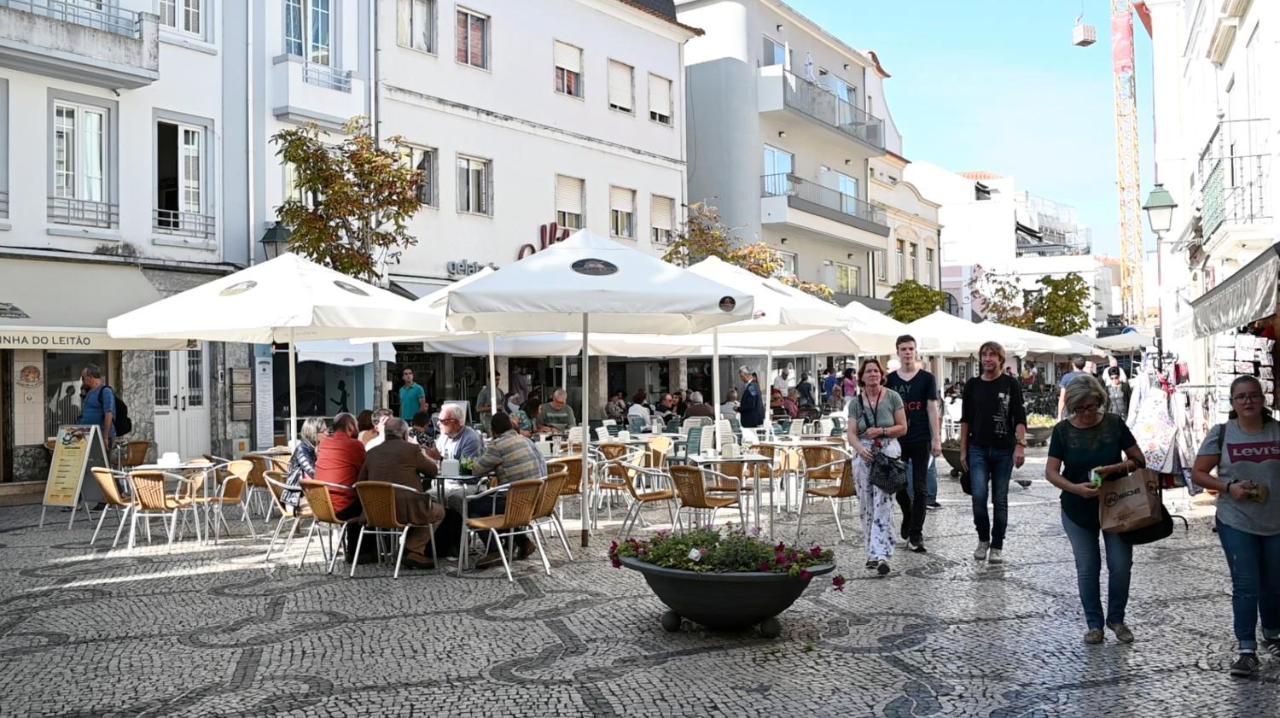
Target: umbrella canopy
<point x="1127" y="342"/>
<point x="776" y="306"/>
<point x="1037" y="343"/>
<point x="342" y="353"/>
<point x="956" y="336"/>
<point x="551" y="290"/>
<point x="877" y="332"/>
<point x="283" y="300"/>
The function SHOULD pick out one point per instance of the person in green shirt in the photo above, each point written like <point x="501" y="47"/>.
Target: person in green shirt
<point x="1093" y="439"/>
<point x="413" y="398"/>
<point x="556" y="416"/>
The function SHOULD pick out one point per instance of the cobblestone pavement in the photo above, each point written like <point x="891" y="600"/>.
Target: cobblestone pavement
<point x="199" y="630"/>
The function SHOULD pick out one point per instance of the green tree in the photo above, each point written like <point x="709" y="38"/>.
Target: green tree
<point x="356" y="198"/>
<point x="1062" y="305"/>
<point x="999" y="297"/>
<point x="911" y="300"/>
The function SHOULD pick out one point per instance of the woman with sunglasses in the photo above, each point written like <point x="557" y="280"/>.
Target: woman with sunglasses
<point x="1246" y="453"/>
<point x="1090" y="440"/>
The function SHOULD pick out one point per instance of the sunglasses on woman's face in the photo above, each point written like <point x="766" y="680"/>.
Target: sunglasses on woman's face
<point x="1242" y="398"/>
<point x="1086" y="409"/>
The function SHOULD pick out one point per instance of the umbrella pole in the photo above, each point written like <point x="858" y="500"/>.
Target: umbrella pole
<point x="493" y="380"/>
<point x="586" y="432"/>
<point x="564" y="372"/>
<point x="768" y="371"/>
<point x="293" y="391"/>
<point x="715" y="379"/>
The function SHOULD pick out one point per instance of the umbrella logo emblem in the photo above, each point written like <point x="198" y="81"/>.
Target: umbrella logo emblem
<point x="349" y="288"/>
<point x="727" y="304"/>
<point x="238" y="288"/>
<point x="594" y="267"/>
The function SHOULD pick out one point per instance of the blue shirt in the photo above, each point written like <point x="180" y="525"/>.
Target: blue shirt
<point x="97" y="404"/>
<point x="411" y="400"/>
<point x="466" y="445"/>
<point x="828" y="384"/>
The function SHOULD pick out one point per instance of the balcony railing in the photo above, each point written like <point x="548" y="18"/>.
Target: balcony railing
<point x="826" y="107"/>
<point x="788" y="185"/>
<point x="1234" y="191"/>
<point x="83" y="213"/>
<point x="107" y="18"/>
<point x="184" y="224"/>
<point x="327" y="77"/>
<point x="4" y="204"/>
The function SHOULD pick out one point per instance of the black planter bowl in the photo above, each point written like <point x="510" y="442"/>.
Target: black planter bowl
<point x="952" y="455"/>
<point x="724" y="601"/>
<point x="1038" y="435"/>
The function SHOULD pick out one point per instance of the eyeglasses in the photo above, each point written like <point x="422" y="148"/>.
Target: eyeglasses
<point x="1247" y="397"/>
<point x="1085" y="409"/>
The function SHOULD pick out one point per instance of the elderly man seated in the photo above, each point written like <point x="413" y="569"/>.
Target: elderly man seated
<point x="456" y="440"/>
<point x="697" y="407"/>
<point x="556" y="416"/>
<point x="399" y="461"/>
<point x="508" y="457"/>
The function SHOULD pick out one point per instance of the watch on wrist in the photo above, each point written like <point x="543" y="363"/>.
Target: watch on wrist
<point x="1021" y="442"/>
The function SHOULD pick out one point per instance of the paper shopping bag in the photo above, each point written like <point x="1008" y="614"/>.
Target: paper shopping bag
<point x="1130" y="502"/>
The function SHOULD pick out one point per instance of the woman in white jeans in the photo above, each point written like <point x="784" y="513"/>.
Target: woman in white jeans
<point x="876" y="420"/>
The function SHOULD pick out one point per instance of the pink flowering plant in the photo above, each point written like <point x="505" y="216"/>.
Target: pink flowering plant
<point x="730" y="551"/>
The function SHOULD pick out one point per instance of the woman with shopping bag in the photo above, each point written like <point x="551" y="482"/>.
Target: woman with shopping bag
<point x="876" y="419"/>
<point x="1092" y="442"/>
<point x="1245" y="451"/>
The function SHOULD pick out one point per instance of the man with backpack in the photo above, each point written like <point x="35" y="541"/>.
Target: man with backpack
<point x="99" y="405"/>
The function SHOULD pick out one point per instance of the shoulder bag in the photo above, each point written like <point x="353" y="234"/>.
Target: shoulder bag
<point x="885" y="472"/>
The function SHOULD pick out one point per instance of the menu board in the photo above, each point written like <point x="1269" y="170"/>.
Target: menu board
<point x="77" y="449"/>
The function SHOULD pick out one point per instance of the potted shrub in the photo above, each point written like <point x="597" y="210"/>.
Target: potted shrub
<point x="1039" y="428"/>
<point x="951" y="452"/>
<point x="724" y="581"/>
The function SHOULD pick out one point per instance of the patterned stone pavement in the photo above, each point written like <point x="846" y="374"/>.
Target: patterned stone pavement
<point x="201" y="630"/>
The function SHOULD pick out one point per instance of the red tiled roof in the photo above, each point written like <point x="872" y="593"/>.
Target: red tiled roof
<point x="980" y="175"/>
<point x="879" y="68"/>
<point x="664" y="9"/>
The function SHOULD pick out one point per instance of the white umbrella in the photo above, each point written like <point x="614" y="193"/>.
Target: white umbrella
<point x="561" y="287"/>
<point x="878" y="332"/>
<point x="286" y="299"/>
<point x="342" y="353"/>
<point x="1127" y="342"/>
<point x="959" y="337"/>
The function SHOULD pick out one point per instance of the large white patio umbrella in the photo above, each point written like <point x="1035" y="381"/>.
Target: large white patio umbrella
<point x="560" y="288"/>
<point x="1038" y="343"/>
<point x="878" y="333"/>
<point x="960" y="337"/>
<point x="287" y="299"/>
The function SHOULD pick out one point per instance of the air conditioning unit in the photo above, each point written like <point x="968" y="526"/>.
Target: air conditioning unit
<point x="1083" y="35"/>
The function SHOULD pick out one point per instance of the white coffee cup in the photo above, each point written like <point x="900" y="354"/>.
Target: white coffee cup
<point x="170" y="458"/>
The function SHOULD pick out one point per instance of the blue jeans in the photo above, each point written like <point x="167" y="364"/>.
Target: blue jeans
<point x="990" y="469"/>
<point x="932" y="492"/>
<point x="1255" y="583"/>
<point x="1084" y="546"/>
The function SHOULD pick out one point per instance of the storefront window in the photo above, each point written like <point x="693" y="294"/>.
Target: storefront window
<point x="62" y="386"/>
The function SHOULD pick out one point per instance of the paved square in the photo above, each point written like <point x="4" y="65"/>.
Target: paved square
<point x="201" y="630"/>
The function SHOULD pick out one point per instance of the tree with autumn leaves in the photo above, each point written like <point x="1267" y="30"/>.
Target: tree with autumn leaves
<point x="705" y="235"/>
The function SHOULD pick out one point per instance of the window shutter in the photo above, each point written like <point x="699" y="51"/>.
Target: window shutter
<point x="460" y="38"/>
<point x="478" y="31"/>
<point x="619" y="85"/>
<point x="568" y="57"/>
<point x="660" y="95"/>
<point x="568" y="195"/>
<point x="621" y="199"/>
<point x="404" y="15"/>
<point x="661" y="211"/>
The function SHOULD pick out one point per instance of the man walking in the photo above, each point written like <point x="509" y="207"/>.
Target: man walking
<point x="413" y="398"/>
<point x="751" y="410"/>
<point x="1077" y="364"/>
<point x="484" y="408"/>
<point x="919" y="392"/>
<point x="99" y="404"/>
<point x="993" y="442"/>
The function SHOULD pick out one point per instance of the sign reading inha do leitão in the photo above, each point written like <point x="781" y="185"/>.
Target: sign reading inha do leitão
<point x="548" y="234"/>
<point x="41" y="340"/>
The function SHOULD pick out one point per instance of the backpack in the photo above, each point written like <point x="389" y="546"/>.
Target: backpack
<point x="121" y="423"/>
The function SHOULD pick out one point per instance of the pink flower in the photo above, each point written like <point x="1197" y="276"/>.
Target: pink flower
<point x="816" y="552"/>
<point x="805" y="575"/>
<point x="764" y="567"/>
<point x="837" y="582"/>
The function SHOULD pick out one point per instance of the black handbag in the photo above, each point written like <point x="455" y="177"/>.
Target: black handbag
<point x="887" y="473"/>
<point x="966" y="482"/>
<point x="1162" y="529"/>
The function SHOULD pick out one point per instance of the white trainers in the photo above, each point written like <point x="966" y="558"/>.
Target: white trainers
<point x="994" y="556"/>
<point x="980" y="553"/>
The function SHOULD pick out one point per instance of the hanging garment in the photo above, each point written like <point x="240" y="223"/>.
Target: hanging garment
<point x="1154" y="429"/>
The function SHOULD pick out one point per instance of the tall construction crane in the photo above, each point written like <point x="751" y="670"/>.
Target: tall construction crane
<point x="1128" y="176"/>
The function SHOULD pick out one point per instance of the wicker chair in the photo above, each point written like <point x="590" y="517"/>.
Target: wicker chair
<point x="546" y="515"/>
<point x="381" y="518"/>
<point x="233" y="484"/>
<point x="321" y="504"/>
<point x="659" y="450"/>
<point x="113" y="499"/>
<point x="276" y="488"/>
<point x="838" y="466"/>
<point x="258" y="486"/>
<point x="691" y="487"/>
<point x="152" y="501"/>
<point x="135" y="454"/>
<point x="523" y="500"/>
<point x="610" y="477"/>
<point x="641" y="497"/>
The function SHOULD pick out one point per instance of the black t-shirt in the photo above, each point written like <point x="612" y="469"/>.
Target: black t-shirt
<point x="916" y="395"/>
<point x="992" y="410"/>
<point x="1082" y="451"/>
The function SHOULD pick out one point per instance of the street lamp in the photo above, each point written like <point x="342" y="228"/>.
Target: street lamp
<point x="1159" y="208"/>
<point x="275" y="241"/>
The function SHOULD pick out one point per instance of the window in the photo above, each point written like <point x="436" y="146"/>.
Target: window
<point x="660" y="100"/>
<point x="848" y="279"/>
<point x="182" y="15"/>
<point x="569" y="202"/>
<point x="62" y="384"/>
<point x="775" y="53"/>
<point x="308" y="29"/>
<point x="79" y="152"/>
<point x="180" y="195"/>
<point x="848" y="188"/>
<point x="914" y="264"/>
<point x="620" y="89"/>
<point x="416" y="24"/>
<point x="568" y="62"/>
<point x="472" y="37"/>
<point x="902" y="260"/>
<point x="662" y="218"/>
<point x="928" y="266"/>
<point x="423" y="159"/>
<point x="777" y="171"/>
<point x="475" y="186"/>
<point x="4" y="147"/>
<point x="882" y="265"/>
<point x="622" y="212"/>
<point x="788" y="264"/>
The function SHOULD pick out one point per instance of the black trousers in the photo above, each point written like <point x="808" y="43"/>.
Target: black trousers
<point x="914" y="503"/>
<point x="352" y="533"/>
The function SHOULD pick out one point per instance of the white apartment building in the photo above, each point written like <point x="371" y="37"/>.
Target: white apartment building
<point x="790" y="137"/>
<point x="1217" y="118"/>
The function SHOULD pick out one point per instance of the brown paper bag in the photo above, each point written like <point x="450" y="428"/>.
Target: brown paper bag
<point x="1129" y="503"/>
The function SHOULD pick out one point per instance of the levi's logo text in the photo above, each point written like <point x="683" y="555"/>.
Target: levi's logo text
<point x="1255" y="453"/>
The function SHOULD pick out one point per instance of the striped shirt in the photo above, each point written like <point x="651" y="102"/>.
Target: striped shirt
<point x="511" y="457"/>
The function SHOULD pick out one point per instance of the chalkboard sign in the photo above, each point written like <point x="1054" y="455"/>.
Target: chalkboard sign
<point x="76" y="451"/>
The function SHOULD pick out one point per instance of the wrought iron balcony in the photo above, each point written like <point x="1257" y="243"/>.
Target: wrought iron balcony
<point x="106" y="17"/>
<point x="326" y="77"/>
<point x="812" y="195"/>
<point x="94" y="43"/>
<point x="4" y="204"/>
<point x="1234" y="169"/>
<point x="183" y="224"/>
<point x="83" y="212"/>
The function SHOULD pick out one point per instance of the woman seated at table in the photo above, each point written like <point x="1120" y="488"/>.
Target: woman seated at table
<point x="640" y="406"/>
<point x="776" y="408"/>
<point x="791" y="402"/>
<point x="302" y="464"/>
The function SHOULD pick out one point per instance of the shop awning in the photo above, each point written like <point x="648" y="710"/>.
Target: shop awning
<point x="62" y="306"/>
<point x="1246" y="296"/>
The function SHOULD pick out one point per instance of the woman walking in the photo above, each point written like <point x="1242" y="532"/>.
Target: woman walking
<point x="1091" y="439"/>
<point x="1246" y="453"/>
<point x="876" y="420"/>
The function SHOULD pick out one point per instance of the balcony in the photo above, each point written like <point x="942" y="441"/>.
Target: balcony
<point x="1234" y="170"/>
<point x="188" y="225"/>
<point x="779" y="90"/>
<point x="4" y="204"/>
<point x="307" y="92"/>
<point x="106" y="47"/>
<point x="83" y="213"/>
<point x="821" y="209"/>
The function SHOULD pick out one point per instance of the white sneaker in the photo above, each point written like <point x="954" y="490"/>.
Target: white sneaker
<point x="994" y="556"/>
<point x="980" y="553"/>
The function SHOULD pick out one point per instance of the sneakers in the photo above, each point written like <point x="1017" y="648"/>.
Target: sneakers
<point x="1094" y="636"/>
<point x="906" y="529"/>
<point x="994" y="556"/>
<point x="1123" y="634"/>
<point x="980" y="553"/>
<point x="917" y="547"/>
<point x="1246" y="666"/>
<point x="872" y="564"/>
<point x="1271" y="646"/>
<point x="934" y="506"/>
<point x="883" y="568"/>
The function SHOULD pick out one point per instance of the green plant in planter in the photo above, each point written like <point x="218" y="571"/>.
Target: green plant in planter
<point x="466" y="466"/>
<point x="733" y="551"/>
